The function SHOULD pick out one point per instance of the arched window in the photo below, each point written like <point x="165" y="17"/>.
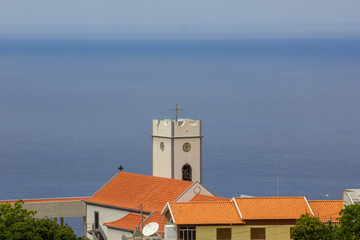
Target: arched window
<point x="187" y="172"/>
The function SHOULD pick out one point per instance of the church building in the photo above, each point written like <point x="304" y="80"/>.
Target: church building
<point x="175" y="199"/>
<point x="177" y="149"/>
<point x="118" y="207"/>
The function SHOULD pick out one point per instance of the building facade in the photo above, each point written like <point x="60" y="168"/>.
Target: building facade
<point x="177" y="149"/>
<point x="256" y="218"/>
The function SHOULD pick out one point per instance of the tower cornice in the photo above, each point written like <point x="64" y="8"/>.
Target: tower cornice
<point x="176" y="137"/>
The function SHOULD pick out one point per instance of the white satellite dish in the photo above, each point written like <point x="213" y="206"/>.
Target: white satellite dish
<point x="150" y="229"/>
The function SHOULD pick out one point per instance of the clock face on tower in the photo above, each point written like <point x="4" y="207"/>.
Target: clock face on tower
<point x="162" y="146"/>
<point x="186" y="147"/>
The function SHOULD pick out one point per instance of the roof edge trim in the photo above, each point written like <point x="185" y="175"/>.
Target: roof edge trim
<point x="309" y="206"/>
<point x="105" y="184"/>
<point x="352" y="202"/>
<point x="117" y="208"/>
<point x="40" y="199"/>
<point x="237" y="207"/>
<point x="122" y="229"/>
<point x="172" y="216"/>
<point x="183" y="193"/>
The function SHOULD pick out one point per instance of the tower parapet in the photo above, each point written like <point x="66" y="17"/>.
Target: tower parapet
<point x="184" y="127"/>
<point x="177" y="149"/>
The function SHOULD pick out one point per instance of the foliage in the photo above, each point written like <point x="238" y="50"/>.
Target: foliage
<point x="17" y="223"/>
<point x="308" y="228"/>
<point x="350" y="221"/>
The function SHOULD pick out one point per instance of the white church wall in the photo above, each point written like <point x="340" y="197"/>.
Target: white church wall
<point x="192" y="158"/>
<point x="192" y="191"/>
<point x="162" y="158"/>
<point x="169" y="156"/>
<point x="181" y="128"/>
<point x="106" y="214"/>
<point x="116" y="234"/>
<point x="187" y="128"/>
<point x="162" y="128"/>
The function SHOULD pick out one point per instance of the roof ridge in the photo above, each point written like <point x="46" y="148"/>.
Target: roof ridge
<point x="325" y="200"/>
<point x="282" y="197"/>
<point x="30" y="199"/>
<point x="60" y="199"/>
<point x="202" y="202"/>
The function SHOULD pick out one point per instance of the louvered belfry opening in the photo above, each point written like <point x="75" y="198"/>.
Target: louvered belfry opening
<point x="187" y="172"/>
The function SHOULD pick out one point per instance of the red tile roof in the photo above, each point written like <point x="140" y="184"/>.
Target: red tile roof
<point x="206" y="198"/>
<point x="43" y="200"/>
<point x="256" y="208"/>
<point x="326" y="210"/>
<point x="131" y="220"/>
<point x="204" y="213"/>
<point x="129" y="190"/>
<point x="252" y="208"/>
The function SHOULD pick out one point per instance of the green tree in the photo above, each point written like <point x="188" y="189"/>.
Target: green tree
<point x="332" y="232"/>
<point x="17" y="223"/>
<point x="308" y="227"/>
<point x="350" y="222"/>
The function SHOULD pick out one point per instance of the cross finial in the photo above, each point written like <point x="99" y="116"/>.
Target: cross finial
<point x="120" y="168"/>
<point x="176" y="109"/>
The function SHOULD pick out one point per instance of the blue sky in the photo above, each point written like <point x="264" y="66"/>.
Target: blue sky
<point x="161" y="17"/>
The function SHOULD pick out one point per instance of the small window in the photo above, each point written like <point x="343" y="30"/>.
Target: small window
<point x="223" y="234"/>
<point x="257" y="233"/>
<point x="96" y="219"/>
<point x="187" y="172"/>
<point x="291" y="236"/>
<point x="187" y="233"/>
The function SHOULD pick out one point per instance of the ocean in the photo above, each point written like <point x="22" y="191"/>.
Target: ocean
<point x="73" y="110"/>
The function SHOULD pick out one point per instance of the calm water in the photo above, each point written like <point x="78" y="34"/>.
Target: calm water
<point x="72" y="111"/>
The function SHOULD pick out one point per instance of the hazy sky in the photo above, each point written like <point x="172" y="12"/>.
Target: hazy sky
<point x="335" y="16"/>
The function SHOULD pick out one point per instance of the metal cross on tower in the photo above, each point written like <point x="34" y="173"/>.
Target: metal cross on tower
<point x="176" y="109"/>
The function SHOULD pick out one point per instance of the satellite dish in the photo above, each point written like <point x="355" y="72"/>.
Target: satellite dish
<point x="150" y="229"/>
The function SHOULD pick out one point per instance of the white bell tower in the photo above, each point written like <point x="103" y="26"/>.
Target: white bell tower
<point x="177" y="149"/>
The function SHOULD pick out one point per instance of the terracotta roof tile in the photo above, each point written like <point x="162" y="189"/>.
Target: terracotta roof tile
<point x="131" y="220"/>
<point x="129" y="190"/>
<point x="256" y="208"/>
<point x="43" y="200"/>
<point x="206" y="198"/>
<point x="326" y="210"/>
<point x="205" y="213"/>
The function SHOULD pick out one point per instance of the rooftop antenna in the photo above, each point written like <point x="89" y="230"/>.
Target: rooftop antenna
<point x="176" y="109"/>
<point x="277" y="185"/>
<point x="142" y="220"/>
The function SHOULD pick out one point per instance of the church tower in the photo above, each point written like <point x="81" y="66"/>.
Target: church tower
<point x="177" y="149"/>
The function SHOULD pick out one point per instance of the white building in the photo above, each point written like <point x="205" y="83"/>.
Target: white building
<point x="115" y="209"/>
<point x="177" y="149"/>
<point x="351" y="196"/>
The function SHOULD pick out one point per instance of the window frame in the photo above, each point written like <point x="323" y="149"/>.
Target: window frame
<point x="253" y="237"/>
<point x="222" y="229"/>
<point x="190" y="232"/>
<point x="188" y="175"/>
<point x="96" y="219"/>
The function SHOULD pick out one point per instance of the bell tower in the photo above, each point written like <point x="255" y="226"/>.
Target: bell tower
<point x="177" y="149"/>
